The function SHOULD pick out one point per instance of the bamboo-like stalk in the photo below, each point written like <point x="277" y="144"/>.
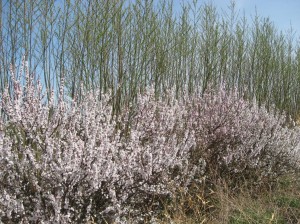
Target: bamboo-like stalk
<point x="126" y="46"/>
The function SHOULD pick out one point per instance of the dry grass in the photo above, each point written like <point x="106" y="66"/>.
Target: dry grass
<point x="279" y="205"/>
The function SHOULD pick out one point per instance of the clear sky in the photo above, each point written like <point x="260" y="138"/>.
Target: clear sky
<point x="284" y="13"/>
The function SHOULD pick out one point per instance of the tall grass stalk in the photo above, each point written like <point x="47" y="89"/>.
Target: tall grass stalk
<point x="125" y="46"/>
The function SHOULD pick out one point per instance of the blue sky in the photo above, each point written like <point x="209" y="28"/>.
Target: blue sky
<point x="284" y="13"/>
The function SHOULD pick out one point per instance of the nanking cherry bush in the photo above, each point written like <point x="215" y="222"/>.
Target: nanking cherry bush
<point x="72" y="162"/>
<point x="240" y="141"/>
<point x="67" y="162"/>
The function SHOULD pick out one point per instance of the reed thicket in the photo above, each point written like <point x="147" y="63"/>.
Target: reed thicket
<point x="125" y="46"/>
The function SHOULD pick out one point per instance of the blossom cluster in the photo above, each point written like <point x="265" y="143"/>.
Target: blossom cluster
<point x="71" y="162"/>
<point x="240" y="140"/>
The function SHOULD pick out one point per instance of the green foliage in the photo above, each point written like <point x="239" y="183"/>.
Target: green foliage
<point x="125" y="46"/>
<point x="252" y="216"/>
<point x="287" y="201"/>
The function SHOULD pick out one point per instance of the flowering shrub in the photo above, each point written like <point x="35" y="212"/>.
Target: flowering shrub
<point x="70" y="162"/>
<point x="240" y="141"/>
<point x="67" y="162"/>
